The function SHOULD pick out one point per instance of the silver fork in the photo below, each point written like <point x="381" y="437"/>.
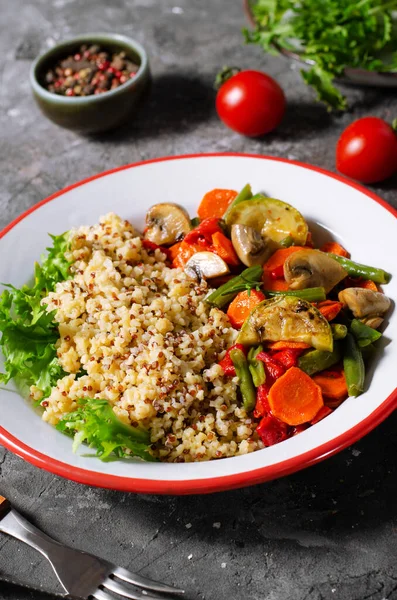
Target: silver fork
<point x="82" y="575"/>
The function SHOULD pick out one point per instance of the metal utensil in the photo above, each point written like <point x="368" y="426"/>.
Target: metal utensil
<point x="351" y="76"/>
<point x="18" y="588"/>
<point x="81" y="575"/>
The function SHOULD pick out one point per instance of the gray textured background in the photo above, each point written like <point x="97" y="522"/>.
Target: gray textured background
<point x="327" y="533"/>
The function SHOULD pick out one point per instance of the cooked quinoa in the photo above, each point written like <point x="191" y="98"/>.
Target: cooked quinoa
<point x="149" y="344"/>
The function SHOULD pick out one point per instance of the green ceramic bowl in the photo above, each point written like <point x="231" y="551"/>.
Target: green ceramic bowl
<point x="96" y="113"/>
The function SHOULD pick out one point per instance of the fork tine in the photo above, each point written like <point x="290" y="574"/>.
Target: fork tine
<point x="146" y="584"/>
<point x="121" y="589"/>
<point x="101" y="595"/>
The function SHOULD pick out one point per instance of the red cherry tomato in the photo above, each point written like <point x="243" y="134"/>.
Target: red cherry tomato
<point x="367" y="150"/>
<point x="251" y="103"/>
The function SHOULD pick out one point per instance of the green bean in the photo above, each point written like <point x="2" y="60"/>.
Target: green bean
<point x="364" y="334"/>
<point x="368" y="352"/>
<point x="287" y="241"/>
<point x="356" y="270"/>
<point x="256" y="367"/>
<point x="245" y="194"/>
<point x="339" y="331"/>
<point x="353" y="365"/>
<point x="225" y="294"/>
<point x="315" y="294"/>
<point x="245" y="380"/>
<point x="318" y="360"/>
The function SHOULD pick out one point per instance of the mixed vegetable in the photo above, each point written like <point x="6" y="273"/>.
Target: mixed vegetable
<point x="307" y="317"/>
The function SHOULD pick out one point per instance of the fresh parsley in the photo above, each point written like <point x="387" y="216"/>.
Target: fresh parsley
<point x="95" y="423"/>
<point x="28" y="331"/>
<point x="332" y="34"/>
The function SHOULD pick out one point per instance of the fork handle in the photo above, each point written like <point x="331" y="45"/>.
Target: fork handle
<point x="14" y="524"/>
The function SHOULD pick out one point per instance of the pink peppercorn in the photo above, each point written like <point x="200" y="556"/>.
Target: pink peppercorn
<point x="90" y="70"/>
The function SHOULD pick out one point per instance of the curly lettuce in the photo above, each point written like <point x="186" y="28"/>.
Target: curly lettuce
<point x="28" y="331"/>
<point x="95" y="424"/>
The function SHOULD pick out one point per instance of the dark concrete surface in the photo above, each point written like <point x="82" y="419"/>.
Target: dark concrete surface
<point x="326" y="533"/>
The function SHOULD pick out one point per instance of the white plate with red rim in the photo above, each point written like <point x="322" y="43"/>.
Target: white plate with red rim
<point x="335" y="209"/>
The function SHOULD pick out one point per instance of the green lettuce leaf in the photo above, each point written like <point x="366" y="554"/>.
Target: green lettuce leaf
<point x="28" y="331"/>
<point x="95" y="423"/>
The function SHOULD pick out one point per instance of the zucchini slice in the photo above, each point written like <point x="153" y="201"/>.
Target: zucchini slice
<point x="287" y="319"/>
<point x="275" y="219"/>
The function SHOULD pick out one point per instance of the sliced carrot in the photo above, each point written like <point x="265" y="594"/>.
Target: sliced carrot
<point x="332" y="384"/>
<point x="274" y="285"/>
<point x="323" y="412"/>
<point x="184" y="252"/>
<point x="273" y="270"/>
<point x="367" y="284"/>
<point x="330" y="308"/>
<point x="242" y="305"/>
<point x="215" y="203"/>
<point x="335" y="248"/>
<point x="174" y="250"/>
<point x="288" y="346"/>
<point x="279" y="257"/>
<point x="295" y="398"/>
<point x="223" y="247"/>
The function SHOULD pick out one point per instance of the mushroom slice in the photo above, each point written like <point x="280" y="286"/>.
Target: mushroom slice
<point x="373" y="322"/>
<point x="289" y="319"/>
<point x="166" y="223"/>
<point x="364" y="303"/>
<point x="251" y="248"/>
<point x="205" y="265"/>
<point x="312" y="268"/>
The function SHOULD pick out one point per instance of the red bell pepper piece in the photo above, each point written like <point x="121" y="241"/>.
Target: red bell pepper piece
<point x="262" y="407"/>
<point x="202" y="234"/>
<point x="273" y="368"/>
<point x="288" y="357"/>
<point x="309" y="240"/>
<point x="148" y="245"/>
<point x="277" y="273"/>
<point x="272" y="431"/>
<point x="298" y="429"/>
<point x="227" y="364"/>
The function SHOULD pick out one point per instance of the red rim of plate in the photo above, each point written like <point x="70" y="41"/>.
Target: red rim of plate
<point x="215" y="484"/>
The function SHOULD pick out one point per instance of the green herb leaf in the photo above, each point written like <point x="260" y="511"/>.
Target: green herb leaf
<point x="28" y="330"/>
<point x="95" y="423"/>
<point x="321" y="81"/>
<point x="331" y="35"/>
